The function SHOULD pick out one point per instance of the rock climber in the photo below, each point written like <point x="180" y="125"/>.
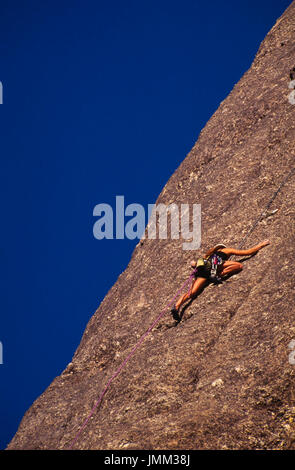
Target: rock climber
<point x="214" y="267"/>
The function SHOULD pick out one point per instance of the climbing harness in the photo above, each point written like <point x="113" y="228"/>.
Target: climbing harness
<point x="116" y="373"/>
<point x="208" y="267"/>
<point x="215" y="261"/>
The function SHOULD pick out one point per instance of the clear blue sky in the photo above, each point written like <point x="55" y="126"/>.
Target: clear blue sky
<point x="101" y="98"/>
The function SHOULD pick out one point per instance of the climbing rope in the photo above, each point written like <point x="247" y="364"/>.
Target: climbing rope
<point x="140" y="341"/>
<point x="127" y="359"/>
<point x="267" y="207"/>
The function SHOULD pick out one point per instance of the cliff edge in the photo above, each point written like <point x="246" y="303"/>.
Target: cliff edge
<point x="222" y="377"/>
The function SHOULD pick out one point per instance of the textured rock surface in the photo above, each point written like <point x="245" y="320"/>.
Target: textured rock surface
<point x="221" y="378"/>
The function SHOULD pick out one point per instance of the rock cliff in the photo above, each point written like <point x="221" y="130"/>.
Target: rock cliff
<point x="222" y="377"/>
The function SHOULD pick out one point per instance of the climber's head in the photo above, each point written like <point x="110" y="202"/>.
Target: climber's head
<point x="214" y="249"/>
<point x="219" y="246"/>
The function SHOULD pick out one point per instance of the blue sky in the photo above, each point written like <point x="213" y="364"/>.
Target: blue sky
<point x="100" y="98"/>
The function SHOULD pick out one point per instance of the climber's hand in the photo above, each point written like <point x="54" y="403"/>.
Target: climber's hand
<point x="264" y="243"/>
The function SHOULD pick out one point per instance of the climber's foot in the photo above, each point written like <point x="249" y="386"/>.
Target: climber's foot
<point x="174" y="313"/>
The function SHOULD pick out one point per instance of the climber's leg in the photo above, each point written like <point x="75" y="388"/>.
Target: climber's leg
<point x="230" y="267"/>
<point x="197" y="287"/>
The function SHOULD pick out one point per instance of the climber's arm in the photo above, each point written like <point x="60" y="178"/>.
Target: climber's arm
<point x="250" y="251"/>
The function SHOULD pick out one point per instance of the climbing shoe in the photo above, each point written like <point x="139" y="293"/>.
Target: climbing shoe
<point x="174" y="313"/>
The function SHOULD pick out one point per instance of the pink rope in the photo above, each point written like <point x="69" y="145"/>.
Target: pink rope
<point x="84" y="424"/>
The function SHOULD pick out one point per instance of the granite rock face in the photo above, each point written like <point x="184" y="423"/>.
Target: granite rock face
<point x="221" y="378"/>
